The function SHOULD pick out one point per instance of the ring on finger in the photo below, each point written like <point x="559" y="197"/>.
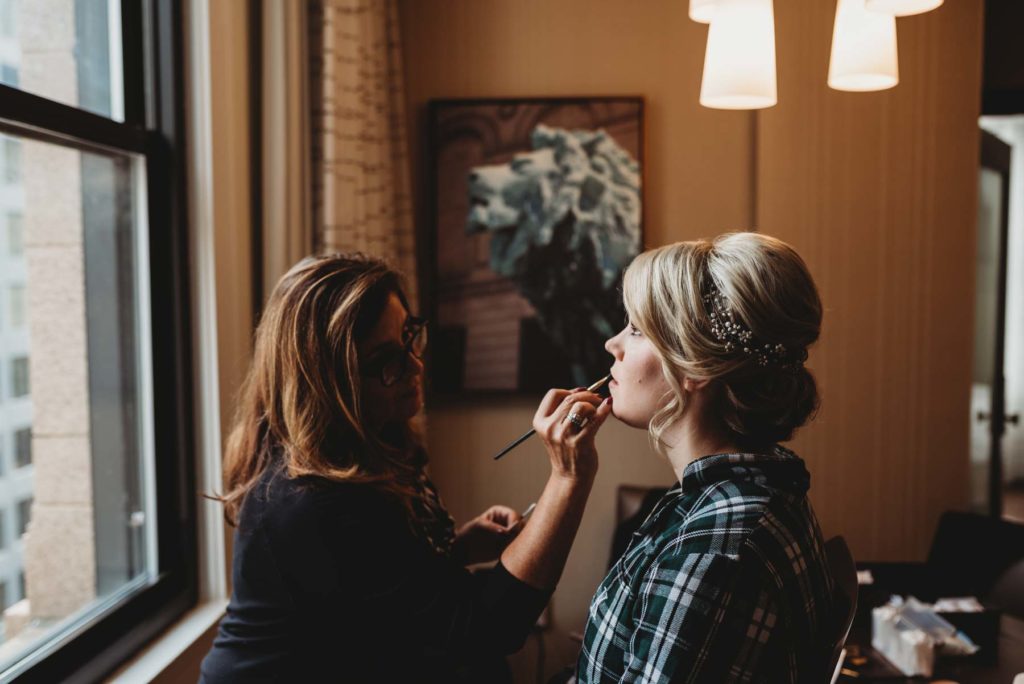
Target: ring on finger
<point x="578" y="421"/>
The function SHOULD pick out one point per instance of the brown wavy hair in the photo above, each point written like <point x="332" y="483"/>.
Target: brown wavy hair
<point x="299" y="406"/>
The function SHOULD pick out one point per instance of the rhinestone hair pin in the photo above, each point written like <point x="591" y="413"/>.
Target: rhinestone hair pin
<point x="734" y="336"/>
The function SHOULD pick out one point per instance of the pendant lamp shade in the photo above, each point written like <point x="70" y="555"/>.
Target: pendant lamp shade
<point x="701" y="10"/>
<point x="739" y="64"/>
<point x="864" y="55"/>
<point x="899" y="8"/>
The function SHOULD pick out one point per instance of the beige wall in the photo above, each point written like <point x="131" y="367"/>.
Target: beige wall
<point x="876" y="190"/>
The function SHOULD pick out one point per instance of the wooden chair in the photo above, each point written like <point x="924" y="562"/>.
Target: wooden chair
<point x="844" y="572"/>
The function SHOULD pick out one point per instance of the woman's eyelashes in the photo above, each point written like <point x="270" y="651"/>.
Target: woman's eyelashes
<point x="634" y="331"/>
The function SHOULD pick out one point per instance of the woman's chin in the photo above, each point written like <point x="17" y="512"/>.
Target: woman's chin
<point x="631" y="421"/>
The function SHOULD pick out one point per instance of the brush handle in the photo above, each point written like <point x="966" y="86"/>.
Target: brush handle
<point x="513" y="444"/>
<point x="600" y="387"/>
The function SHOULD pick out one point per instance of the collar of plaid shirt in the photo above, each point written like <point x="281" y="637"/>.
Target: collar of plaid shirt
<point x="780" y="469"/>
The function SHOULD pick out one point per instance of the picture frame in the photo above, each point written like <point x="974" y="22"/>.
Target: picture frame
<point x="536" y="209"/>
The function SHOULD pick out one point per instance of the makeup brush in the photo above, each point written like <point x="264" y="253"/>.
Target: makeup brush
<point x="596" y="387"/>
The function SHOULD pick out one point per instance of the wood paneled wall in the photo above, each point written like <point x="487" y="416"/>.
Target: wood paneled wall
<point x="878" y="192"/>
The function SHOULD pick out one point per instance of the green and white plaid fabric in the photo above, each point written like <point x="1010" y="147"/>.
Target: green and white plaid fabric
<point x="726" y="581"/>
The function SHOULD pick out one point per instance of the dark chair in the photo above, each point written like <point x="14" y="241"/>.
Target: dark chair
<point x="1008" y="592"/>
<point x="970" y="552"/>
<point x="844" y="572"/>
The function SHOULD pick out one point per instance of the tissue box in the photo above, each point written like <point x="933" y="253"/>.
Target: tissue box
<point x="910" y="650"/>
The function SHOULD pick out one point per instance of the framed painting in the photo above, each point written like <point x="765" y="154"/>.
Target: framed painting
<point x="537" y="210"/>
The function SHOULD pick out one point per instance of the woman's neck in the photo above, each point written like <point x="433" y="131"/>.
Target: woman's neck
<point x="690" y="439"/>
<point x="698" y="433"/>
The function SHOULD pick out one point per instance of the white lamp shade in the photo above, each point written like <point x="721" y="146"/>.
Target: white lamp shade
<point x="701" y="10"/>
<point x="900" y="8"/>
<point x="863" y="49"/>
<point x="739" y="63"/>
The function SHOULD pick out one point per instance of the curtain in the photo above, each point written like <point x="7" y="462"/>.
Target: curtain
<point x="361" y="189"/>
<point x="286" y="233"/>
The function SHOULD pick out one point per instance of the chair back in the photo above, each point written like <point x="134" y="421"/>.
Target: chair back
<point x="844" y="573"/>
<point x="1008" y="593"/>
<point x="971" y="552"/>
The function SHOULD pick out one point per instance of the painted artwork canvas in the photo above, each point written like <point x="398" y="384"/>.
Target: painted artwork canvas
<point x="537" y="208"/>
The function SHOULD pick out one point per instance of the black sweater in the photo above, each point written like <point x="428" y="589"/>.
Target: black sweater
<point x="330" y="584"/>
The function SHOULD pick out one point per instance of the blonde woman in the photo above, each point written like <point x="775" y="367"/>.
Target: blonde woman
<point x="726" y="580"/>
<point x="346" y="565"/>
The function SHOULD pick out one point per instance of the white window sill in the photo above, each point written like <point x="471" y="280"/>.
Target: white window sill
<point x="171" y="645"/>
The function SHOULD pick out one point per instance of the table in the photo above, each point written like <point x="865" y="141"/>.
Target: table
<point x="1010" y="657"/>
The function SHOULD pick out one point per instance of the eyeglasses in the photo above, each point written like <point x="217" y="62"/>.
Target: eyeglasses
<point x="390" y="367"/>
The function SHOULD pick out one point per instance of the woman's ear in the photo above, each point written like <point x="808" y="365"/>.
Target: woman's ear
<point x="691" y="385"/>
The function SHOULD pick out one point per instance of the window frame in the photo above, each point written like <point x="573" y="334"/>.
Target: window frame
<point x="153" y="127"/>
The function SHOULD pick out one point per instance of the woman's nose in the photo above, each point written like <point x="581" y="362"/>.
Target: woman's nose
<point x="611" y="346"/>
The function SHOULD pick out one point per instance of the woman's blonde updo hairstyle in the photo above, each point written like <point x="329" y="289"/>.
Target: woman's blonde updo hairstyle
<point x="769" y="292"/>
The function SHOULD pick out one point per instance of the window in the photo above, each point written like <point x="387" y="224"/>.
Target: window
<point x="19" y="377"/>
<point x="91" y="172"/>
<point x="22" y="447"/>
<point x="12" y="160"/>
<point x="8" y="16"/>
<point x="9" y="74"/>
<point x="78" y="66"/>
<point x="24" y="516"/>
<point x="16" y="307"/>
<point x="15" y="237"/>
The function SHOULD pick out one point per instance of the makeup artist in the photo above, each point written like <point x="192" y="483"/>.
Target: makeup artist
<point x="347" y="567"/>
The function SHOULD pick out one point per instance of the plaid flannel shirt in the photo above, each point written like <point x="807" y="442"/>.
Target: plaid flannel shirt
<point x="726" y="581"/>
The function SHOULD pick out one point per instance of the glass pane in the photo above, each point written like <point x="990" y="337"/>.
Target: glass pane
<point x="986" y="292"/>
<point x="76" y="506"/>
<point x="64" y="50"/>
